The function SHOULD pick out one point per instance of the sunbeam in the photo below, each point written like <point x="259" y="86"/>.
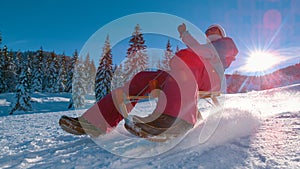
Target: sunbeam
<point x="261" y="60"/>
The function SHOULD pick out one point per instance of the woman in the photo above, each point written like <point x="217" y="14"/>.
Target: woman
<point x="195" y="68"/>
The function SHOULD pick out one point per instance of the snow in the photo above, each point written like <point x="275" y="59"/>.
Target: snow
<point x="3" y="102"/>
<point x="41" y="103"/>
<point x="259" y="129"/>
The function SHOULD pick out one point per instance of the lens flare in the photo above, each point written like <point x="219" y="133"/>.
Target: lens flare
<point x="261" y="60"/>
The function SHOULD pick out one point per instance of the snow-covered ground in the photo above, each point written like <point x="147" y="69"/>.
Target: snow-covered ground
<point x="255" y="130"/>
<point x="41" y="102"/>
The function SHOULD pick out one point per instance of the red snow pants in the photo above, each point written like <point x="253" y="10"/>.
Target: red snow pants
<point x="178" y="98"/>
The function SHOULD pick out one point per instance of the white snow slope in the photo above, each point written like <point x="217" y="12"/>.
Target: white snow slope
<point x="256" y="130"/>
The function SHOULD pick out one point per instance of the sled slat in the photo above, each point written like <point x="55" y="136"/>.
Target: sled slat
<point x="201" y="94"/>
<point x="123" y="99"/>
<point x="208" y="94"/>
<point x="138" y="97"/>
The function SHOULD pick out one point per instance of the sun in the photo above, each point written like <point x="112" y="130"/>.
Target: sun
<point x="261" y="60"/>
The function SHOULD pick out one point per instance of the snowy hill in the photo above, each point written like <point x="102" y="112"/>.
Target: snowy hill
<point x="259" y="129"/>
<point x="242" y="83"/>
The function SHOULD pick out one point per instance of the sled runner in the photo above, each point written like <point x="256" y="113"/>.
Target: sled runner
<point x="142" y="126"/>
<point x="155" y="128"/>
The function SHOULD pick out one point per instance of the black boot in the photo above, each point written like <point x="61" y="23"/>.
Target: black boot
<point x="79" y="126"/>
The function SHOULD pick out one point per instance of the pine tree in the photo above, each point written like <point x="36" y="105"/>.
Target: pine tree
<point x="2" y="83"/>
<point x="137" y="60"/>
<point x="167" y="57"/>
<point x="159" y="64"/>
<point x="53" y="79"/>
<point x="56" y="74"/>
<point x="38" y="72"/>
<point x="118" y="77"/>
<point x="71" y="70"/>
<point x="2" y="77"/>
<point x="48" y="78"/>
<point x="29" y="61"/>
<point x="63" y="74"/>
<point x="90" y="77"/>
<point x="19" y="61"/>
<point x="22" y="91"/>
<point x="9" y="71"/>
<point x="104" y="72"/>
<point x="78" y="90"/>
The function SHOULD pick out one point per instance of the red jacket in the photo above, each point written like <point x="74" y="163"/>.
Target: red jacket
<point x="197" y="66"/>
<point x="182" y="101"/>
<point x="205" y="74"/>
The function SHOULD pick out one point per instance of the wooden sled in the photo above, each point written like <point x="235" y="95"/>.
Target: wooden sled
<point x="122" y="99"/>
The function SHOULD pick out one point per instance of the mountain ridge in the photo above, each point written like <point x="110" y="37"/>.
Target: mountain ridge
<point x="237" y="83"/>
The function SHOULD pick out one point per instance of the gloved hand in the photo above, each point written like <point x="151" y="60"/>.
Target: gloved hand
<point x="181" y="29"/>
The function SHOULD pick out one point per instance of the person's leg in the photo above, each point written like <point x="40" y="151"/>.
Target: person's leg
<point x="180" y="97"/>
<point x="105" y="115"/>
<point x="176" y="110"/>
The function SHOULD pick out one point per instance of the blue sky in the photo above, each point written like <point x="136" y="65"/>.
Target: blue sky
<point x="64" y="26"/>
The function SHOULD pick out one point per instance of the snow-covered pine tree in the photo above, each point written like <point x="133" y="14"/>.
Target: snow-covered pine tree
<point x="92" y="75"/>
<point x="1" y="67"/>
<point x="118" y="77"/>
<point x="104" y="72"/>
<point x="29" y="64"/>
<point x="52" y="74"/>
<point x="159" y="64"/>
<point x="71" y="68"/>
<point x="56" y="73"/>
<point x="64" y="73"/>
<point x="38" y="72"/>
<point x="2" y="79"/>
<point x="9" y="71"/>
<point x="22" y="102"/>
<point x="78" y="90"/>
<point x="47" y="83"/>
<point x="167" y="57"/>
<point x="137" y="59"/>
<point x="114" y="68"/>
<point x="18" y="62"/>
<point x="90" y="81"/>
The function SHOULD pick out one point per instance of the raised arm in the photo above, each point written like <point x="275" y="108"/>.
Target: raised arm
<point x="200" y="49"/>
